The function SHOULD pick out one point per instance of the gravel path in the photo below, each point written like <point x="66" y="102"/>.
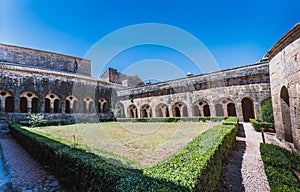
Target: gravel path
<point x="26" y="174"/>
<point x="244" y="169"/>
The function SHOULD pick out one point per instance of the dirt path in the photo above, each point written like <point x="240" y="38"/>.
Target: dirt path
<point x="244" y="169"/>
<point x="24" y="172"/>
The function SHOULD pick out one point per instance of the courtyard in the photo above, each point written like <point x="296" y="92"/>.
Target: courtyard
<point x="135" y="144"/>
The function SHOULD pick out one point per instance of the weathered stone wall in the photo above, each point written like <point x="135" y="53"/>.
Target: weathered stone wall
<point x="285" y="86"/>
<point x="227" y="86"/>
<point x="113" y="76"/>
<point x="16" y="80"/>
<point x="40" y="59"/>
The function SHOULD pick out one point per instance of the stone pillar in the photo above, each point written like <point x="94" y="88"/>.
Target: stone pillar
<point x="2" y="106"/>
<point x="42" y="105"/>
<point x="71" y="106"/>
<point x="63" y="106"/>
<point x="148" y="113"/>
<point x="239" y="111"/>
<point x="256" y="107"/>
<point x="212" y="109"/>
<point x="201" y="110"/>
<point x="29" y="104"/>
<point x="181" y="111"/>
<point x="225" y="110"/>
<point x="17" y="104"/>
<point x="134" y="113"/>
<point x="164" y="111"/>
<point x="51" y="105"/>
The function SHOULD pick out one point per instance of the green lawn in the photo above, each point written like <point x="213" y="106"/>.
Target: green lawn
<point x="144" y="143"/>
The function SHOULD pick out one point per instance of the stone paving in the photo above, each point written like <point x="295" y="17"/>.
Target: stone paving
<point x="24" y="173"/>
<point x="244" y="169"/>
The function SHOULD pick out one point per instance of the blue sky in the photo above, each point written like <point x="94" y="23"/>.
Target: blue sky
<point x="235" y="32"/>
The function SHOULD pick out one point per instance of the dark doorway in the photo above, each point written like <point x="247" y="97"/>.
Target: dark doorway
<point x="23" y="105"/>
<point x="35" y="105"/>
<point x="177" y="112"/>
<point x="9" y="104"/>
<point x="47" y="106"/>
<point x="285" y="113"/>
<point x="206" y="110"/>
<point x="231" y="109"/>
<point x="248" y="109"/>
<point x="56" y="106"/>
<point x="67" y="110"/>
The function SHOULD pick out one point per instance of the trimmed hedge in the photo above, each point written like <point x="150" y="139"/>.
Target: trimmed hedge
<point x="44" y="123"/>
<point x="279" y="163"/>
<point x="258" y="125"/>
<point x="197" y="167"/>
<point x="171" y="119"/>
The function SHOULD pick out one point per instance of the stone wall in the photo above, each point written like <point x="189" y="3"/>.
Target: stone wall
<point x="113" y="76"/>
<point x="232" y="86"/>
<point x="285" y="86"/>
<point x="40" y="59"/>
<point x="30" y="88"/>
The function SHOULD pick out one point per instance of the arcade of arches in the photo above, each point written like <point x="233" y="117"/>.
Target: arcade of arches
<point x="29" y="102"/>
<point x="223" y="107"/>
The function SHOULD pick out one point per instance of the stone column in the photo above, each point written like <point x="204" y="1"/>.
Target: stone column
<point x="181" y="111"/>
<point x="42" y="105"/>
<point x="29" y="104"/>
<point x="239" y="111"/>
<point x="164" y="111"/>
<point x="2" y="106"/>
<point x="17" y="104"/>
<point x="225" y="111"/>
<point x="148" y="112"/>
<point x="51" y="105"/>
<point x="256" y="107"/>
<point x="63" y="106"/>
<point x="201" y="110"/>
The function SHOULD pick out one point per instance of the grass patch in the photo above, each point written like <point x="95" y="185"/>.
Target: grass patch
<point x="143" y="143"/>
<point x="278" y="164"/>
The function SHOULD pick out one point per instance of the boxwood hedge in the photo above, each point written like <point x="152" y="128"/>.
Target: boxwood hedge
<point x="171" y="119"/>
<point x="278" y="164"/>
<point x="258" y="125"/>
<point x="197" y="167"/>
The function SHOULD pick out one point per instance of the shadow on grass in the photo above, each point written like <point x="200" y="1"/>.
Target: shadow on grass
<point x="231" y="173"/>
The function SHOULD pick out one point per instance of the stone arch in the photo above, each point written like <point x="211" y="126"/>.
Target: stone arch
<point x="29" y="102"/>
<point x="120" y="110"/>
<point x="285" y="114"/>
<point x="162" y="110"/>
<point x="52" y="103"/>
<point x="145" y="111"/>
<point x="88" y="105"/>
<point x="72" y="104"/>
<point x="7" y="103"/>
<point x="248" y="109"/>
<point x="200" y="108"/>
<point x="225" y="107"/>
<point x="132" y="111"/>
<point x="179" y="109"/>
<point x="103" y="105"/>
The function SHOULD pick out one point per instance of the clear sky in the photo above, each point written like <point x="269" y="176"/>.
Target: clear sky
<point x="235" y="32"/>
